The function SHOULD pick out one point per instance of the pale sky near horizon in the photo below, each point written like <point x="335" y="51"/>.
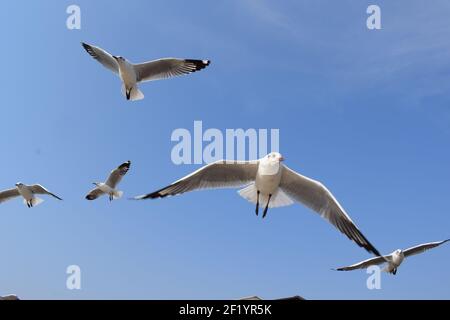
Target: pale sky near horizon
<point x="366" y="112"/>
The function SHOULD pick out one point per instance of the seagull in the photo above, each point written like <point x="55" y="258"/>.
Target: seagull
<point x="109" y="187"/>
<point x="132" y="74"/>
<point x="27" y="192"/>
<point x="271" y="183"/>
<point x="395" y="259"/>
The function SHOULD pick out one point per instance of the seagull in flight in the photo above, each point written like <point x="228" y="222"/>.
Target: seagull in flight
<point x="109" y="187"/>
<point x="132" y="74"/>
<point x="270" y="182"/>
<point x="27" y="192"/>
<point x="395" y="259"/>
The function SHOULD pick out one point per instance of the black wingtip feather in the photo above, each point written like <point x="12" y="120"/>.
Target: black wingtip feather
<point x="158" y="194"/>
<point x="125" y="165"/>
<point x="90" y="197"/>
<point x="199" y="64"/>
<point x="88" y="49"/>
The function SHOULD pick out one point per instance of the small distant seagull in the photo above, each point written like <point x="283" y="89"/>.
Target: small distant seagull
<point x="395" y="259"/>
<point x="109" y="187"/>
<point x="27" y="192"/>
<point x="132" y="74"/>
<point x="268" y="181"/>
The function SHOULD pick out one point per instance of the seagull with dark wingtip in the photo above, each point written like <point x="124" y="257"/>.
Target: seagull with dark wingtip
<point x="269" y="182"/>
<point x="28" y="194"/>
<point x="395" y="259"/>
<point x="132" y="74"/>
<point x="109" y="187"/>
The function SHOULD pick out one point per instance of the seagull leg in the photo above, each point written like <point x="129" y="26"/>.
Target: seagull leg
<point x="257" y="202"/>
<point x="129" y="94"/>
<point x="394" y="272"/>
<point x="267" y="206"/>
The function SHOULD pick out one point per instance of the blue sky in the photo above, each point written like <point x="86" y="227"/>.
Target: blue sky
<point x="365" y="112"/>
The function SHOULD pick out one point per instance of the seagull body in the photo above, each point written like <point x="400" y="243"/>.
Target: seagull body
<point x="271" y="183"/>
<point x="109" y="187"/>
<point x="132" y="74"/>
<point x="27" y="192"/>
<point x="395" y="259"/>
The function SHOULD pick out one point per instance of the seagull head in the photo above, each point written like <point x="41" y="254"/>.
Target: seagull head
<point x="398" y="251"/>
<point x="96" y="184"/>
<point x="19" y="184"/>
<point x="119" y="58"/>
<point x="275" y="157"/>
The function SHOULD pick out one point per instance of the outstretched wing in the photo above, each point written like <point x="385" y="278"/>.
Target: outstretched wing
<point x="38" y="189"/>
<point x="220" y="174"/>
<point x="366" y="263"/>
<point x="316" y="196"/>
<point x="167" y="67"/>
<point x="117" y="174"/>
<point x="105" y="58"/>
<point x="422" y="248"/>
<point x="8" y="194"/>
<point x="94" y="194"/>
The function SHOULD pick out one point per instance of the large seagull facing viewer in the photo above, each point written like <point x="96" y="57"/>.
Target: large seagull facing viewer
<point x="132" y="74"/>
<point x="271" y="183"/>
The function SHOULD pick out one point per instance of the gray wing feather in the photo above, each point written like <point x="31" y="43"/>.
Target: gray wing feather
<point x="38" y="189"/>
<point x="8" y="194"/>
<point x="422" y="248"/>
<point x="317" y="197"/>
<point x="220" y="174"/>
<point x="94" y="194"/>
<point x="167" y="67"/>
<point x="105" y="58"/>
<point x="117" y="174"/>
<point x="366" y="263"/>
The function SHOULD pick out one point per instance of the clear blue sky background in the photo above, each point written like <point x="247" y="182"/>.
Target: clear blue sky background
<point x="365" y="112"/>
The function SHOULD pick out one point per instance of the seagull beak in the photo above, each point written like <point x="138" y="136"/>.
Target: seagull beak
<point x="281" y="159"/>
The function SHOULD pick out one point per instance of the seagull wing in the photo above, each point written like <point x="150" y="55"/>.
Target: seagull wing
<point x="422" y="248"/>
<point x="167" y="67"/>
<point x="220" y="174"/>
<point x="316" y="196"/>
<point x="38" y="189"/>
<point x="105" y="58"/>
<point x="94" y="194"/>
<point x="117" y="174"/>
<point x="8" y="194"/>
<point x="366" y="263"/>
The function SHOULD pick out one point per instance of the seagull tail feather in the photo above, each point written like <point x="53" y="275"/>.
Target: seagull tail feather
<point x="278" y="199"/>
<point x="35" y="201"/>
<point x="117" y="195"/>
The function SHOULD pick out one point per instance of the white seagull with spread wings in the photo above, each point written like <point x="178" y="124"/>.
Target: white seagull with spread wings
<point x="132" y="74"/>
<point x="270" y="182"/>
<point x="109" y="187"/>
<point x="395" y="259"/>
<point x="27" y="192"/>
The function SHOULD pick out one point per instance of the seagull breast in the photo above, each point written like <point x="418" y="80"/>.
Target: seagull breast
<point x="25" y="192"/>
<point x="397" y="258"/>
<point x="268" y="176"/>
<point x="127" y="73"/>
